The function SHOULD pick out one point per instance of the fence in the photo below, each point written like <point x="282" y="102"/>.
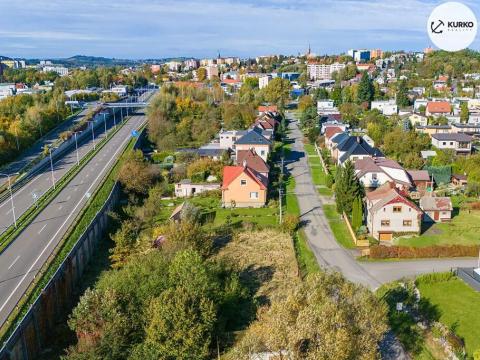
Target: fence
<point x="359" y="243"/>
<point x="325" y="168"/>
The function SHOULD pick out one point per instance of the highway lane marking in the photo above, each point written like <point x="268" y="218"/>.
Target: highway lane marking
<point x="127" y="139"/>
<point x="44" y="226"/>
<point x="14" y="261"/>
<point x="8" y="212"/>
<point x="22" y="189"/>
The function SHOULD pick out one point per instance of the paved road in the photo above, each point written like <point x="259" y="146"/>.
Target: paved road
<point x="41" y="183"/>
<point x="21" y="261"/>
<point x="37" y="148"/>
<point x="328" y="252"/>
<point x="23" y="198"/>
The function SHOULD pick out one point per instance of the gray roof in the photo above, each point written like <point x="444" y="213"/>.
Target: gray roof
<point x="436" y="203"/>
<point x="253" y="137"/>
<point x="356" y="145"/>
<point x="452" y="137"/>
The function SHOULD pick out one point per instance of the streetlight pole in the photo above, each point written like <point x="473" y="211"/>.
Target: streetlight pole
<point x="51" y="167"/>
<point x="114" y="120"/>
<point x="76" y="147"/>
<point x="105" y="123"/>
<point x="93" y="135"/>
<point x="11" y="196"/>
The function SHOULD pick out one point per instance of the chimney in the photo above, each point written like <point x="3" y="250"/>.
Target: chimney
<point x="244" y="163"/>
<point x="359" y="139"/>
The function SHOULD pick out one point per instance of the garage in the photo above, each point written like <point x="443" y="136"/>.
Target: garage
<point x="385" y="236"/>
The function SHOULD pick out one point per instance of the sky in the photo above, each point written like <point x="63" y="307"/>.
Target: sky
<point x="140" y="29"/>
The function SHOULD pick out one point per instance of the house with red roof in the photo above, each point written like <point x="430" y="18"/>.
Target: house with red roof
<point x="390" y="213"/>
<point x="253" y="161"/>
<point x="243" y="187"/>
<point x="330" y="132"/>
<point x="268" y="108"/>
<point x="374" y="172"/>
<point x="438" y="108"/>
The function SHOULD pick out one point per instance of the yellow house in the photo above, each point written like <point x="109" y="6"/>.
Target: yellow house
<point x="243" y="187"/>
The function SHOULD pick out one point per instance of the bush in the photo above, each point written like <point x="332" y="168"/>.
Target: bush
<point x="405" y="252"/>
<point x="290" y="223"/>
<point x="435" y="278"/>
<point x="329" y="181"/>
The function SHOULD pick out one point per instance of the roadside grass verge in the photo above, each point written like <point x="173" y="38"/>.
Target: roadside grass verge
<point x="338" y="226"/>
<point x="307" y="262"/>
<point x="69" y="240"/>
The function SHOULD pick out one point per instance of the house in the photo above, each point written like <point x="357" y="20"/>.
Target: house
<point x="229" y="137"/>
<point x="420" y="179"/>
<point x="186" y="188"/>
<point x="459" y="180"/>
<point x="386" y="107"/>
<point x="253" y="140"/>
<point x="374" y="172"/>
<point x="433" y="129"/>
<point x="212" y="151"/>
<point x="330" y="121"/>
<point x="243" y="187"/>
<point x="436" y="209"/>
<point x="418" y="119"/>
<point x="426" y="154"/>
<point x="461" y="143"/>
<point x="354" y="148"/>
<point x="269" y="108"/>
<point x="390" y="213"/>
<point x="438" y="108"/>
<point x="176" y="215"/>
<point x="250" y="159"/>
<point x="330" y="132"/>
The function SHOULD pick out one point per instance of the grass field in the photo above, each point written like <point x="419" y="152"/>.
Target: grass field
<point x="463" y="229"/>
<point x="338" y="226"/>
<point x="459" y="308"/>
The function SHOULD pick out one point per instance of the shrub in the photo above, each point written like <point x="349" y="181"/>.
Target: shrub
<point x="290" y="223"/>
<point x="405" y="252"/>
<point x="329" y="181"/>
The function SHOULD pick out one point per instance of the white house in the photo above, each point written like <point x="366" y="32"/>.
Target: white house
<point x="374" y="172"/>
<point x="263" y="81"/>
<point x="436" y="209"/>
<point x="461" y="143"/>
<point x="229" y="137"/>
<point x="389" y="213"/>
<point x="386" y="107"/>
<point x="186" y="188"/>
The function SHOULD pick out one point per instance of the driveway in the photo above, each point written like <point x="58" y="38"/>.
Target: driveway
<point x="328" y="252"/>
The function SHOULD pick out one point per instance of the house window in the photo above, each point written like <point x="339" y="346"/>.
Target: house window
<point x="385" y="223"/>
<point x="444" y="143"/>
<point x="374" y="176"/>
<point x="451" y="142"/>
<point x="407" y="222"/>
<point x="262" y="152"/>
<point x="397" y="209"/>
<point x="243" y="182"/>
<point x="254" y="195"/>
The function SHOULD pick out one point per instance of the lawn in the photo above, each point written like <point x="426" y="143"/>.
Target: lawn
<point x="291" y="206"/>
<point x="459" y="307"/>
<point x="319" y="177"/>
<point x="338" y="226"/>
<point x="463" y="229"/>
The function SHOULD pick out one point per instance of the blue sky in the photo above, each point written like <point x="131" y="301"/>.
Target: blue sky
<point x="167" y="28"/>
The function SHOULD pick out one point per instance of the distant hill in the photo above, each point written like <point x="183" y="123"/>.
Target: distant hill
<point x="83" y="60"/>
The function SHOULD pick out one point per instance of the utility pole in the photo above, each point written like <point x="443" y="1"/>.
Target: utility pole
<point x="105" y="123"/>
<point x="11" y="196"/>
<point x="114" y="120"/>
<point x="93" y="135"/>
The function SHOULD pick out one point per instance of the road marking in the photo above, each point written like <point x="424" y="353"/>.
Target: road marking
<point x="14" y="261"/>
<point x="8" y="212"/>
<point x="63" y="224"/>
<point x="44" y="226"/>
<point x="60" y="207"/>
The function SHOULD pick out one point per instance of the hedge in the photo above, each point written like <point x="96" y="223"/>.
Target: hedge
<point x="406" y="252"/>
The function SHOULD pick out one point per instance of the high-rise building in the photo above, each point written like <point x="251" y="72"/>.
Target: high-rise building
<point x="376" y="54"/>
<point x="323" y="71"/>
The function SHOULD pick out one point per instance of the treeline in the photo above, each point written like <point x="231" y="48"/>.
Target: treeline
<point x="183" y="116"/>
<point x="25" y="118"/>
<point x="29" y="76"/>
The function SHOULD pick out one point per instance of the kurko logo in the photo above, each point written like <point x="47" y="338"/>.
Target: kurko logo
<point x="452" y="26"/>
<point x="436" y="26"/>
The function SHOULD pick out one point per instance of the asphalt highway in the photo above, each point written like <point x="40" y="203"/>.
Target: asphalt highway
<point x="22" y="260"/>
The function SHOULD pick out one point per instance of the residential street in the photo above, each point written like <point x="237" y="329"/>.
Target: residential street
<point x="328" y="252"/>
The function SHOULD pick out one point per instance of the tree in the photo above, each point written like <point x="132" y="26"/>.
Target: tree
<point x="201" y="74"/>
<point x="365" y="90"/>
<point x="357" y="213"/>
<point x="278" y="91"/>
<point x="135" y="174"/>
<point x="402" y="94"/>
<point x="422" y="109"/>
<point x="464" y="113"/>
<point x="347" y="188"/>
<point x="305" y="102"/>
<point x="323" y="317"/>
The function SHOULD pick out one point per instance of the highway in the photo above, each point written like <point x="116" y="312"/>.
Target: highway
<point x="22" y="260"/>
<point x="25" y="197"/>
